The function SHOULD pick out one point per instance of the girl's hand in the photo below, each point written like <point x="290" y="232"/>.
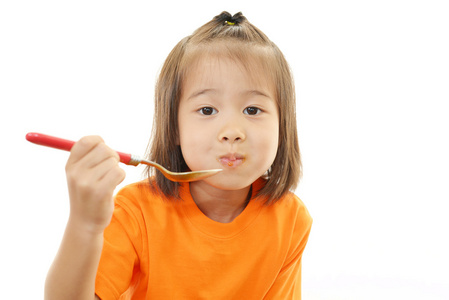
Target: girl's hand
<point x="92" y="175"/>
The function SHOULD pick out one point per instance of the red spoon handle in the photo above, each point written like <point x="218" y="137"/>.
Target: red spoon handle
<point x="62" y="144"/>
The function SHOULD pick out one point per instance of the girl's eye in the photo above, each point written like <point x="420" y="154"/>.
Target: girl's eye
<point x="207" y="111"/>
<point x="252" y="111"/>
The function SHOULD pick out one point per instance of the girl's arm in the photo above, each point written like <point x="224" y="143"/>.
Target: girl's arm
<point x="92" y="175"/>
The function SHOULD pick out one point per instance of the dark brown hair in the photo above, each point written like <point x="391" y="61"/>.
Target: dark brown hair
<point x="238" y="39"/>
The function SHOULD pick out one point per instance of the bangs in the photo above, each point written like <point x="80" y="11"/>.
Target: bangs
<point x="258" y="61"/>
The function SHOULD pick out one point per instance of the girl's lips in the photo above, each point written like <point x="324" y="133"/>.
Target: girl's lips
<point x="231" y="161"/>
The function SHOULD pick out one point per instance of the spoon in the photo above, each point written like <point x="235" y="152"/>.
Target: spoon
<point x="128" y="159"/>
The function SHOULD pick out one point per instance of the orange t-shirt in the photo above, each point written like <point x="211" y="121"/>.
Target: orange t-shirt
<point x="156" y="248"/>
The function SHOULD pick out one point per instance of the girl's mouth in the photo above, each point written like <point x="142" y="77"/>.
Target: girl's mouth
<point x="231" y="160"/>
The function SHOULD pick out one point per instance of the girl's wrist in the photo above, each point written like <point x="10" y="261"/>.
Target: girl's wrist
<point x="84" y="229"/>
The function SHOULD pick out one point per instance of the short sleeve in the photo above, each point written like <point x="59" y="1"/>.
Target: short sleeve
<point x="288" y="282"/>
<point x="119" y="259"/>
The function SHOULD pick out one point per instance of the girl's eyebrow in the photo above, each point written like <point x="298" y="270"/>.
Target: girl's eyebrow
<point x="257" y="93"/>
<point x="201" y="92"/>
<point x="254" y="92"/>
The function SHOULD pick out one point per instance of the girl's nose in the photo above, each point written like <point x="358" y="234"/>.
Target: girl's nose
<point x="232" y="132"/>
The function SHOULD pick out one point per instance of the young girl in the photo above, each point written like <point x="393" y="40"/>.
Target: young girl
<point x="224" y="99"/>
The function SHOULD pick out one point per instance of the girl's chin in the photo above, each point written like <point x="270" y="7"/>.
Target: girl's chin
<point x="230" y="182"/>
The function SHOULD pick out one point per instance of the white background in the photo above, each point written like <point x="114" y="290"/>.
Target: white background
<point x="373" y="88"/>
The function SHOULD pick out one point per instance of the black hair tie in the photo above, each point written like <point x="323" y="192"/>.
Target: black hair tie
<point x="229" y="19"/>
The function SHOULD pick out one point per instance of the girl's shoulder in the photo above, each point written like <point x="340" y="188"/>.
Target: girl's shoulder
<point x="291" y="207"/>
<point x="291" y="200"/>
<point x="146" y="190"/>
<point x="139" y="195"/>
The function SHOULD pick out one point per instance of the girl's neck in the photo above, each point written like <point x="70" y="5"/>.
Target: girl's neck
<point x="219" y="205"/>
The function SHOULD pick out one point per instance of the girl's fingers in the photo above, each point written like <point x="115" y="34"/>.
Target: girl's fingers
<point x="93" y="173"/>
<point x="107" y="170"/>
<point x="89" y="152"/>
<point x="82" y="147"/>
<point x="97" y="155"/>
<point x="112" y="177"/>
<point x="99" y="183"/>
<point x="91" y="162"/>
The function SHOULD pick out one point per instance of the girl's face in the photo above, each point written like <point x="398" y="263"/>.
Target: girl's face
<point x="228" y="120"/>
